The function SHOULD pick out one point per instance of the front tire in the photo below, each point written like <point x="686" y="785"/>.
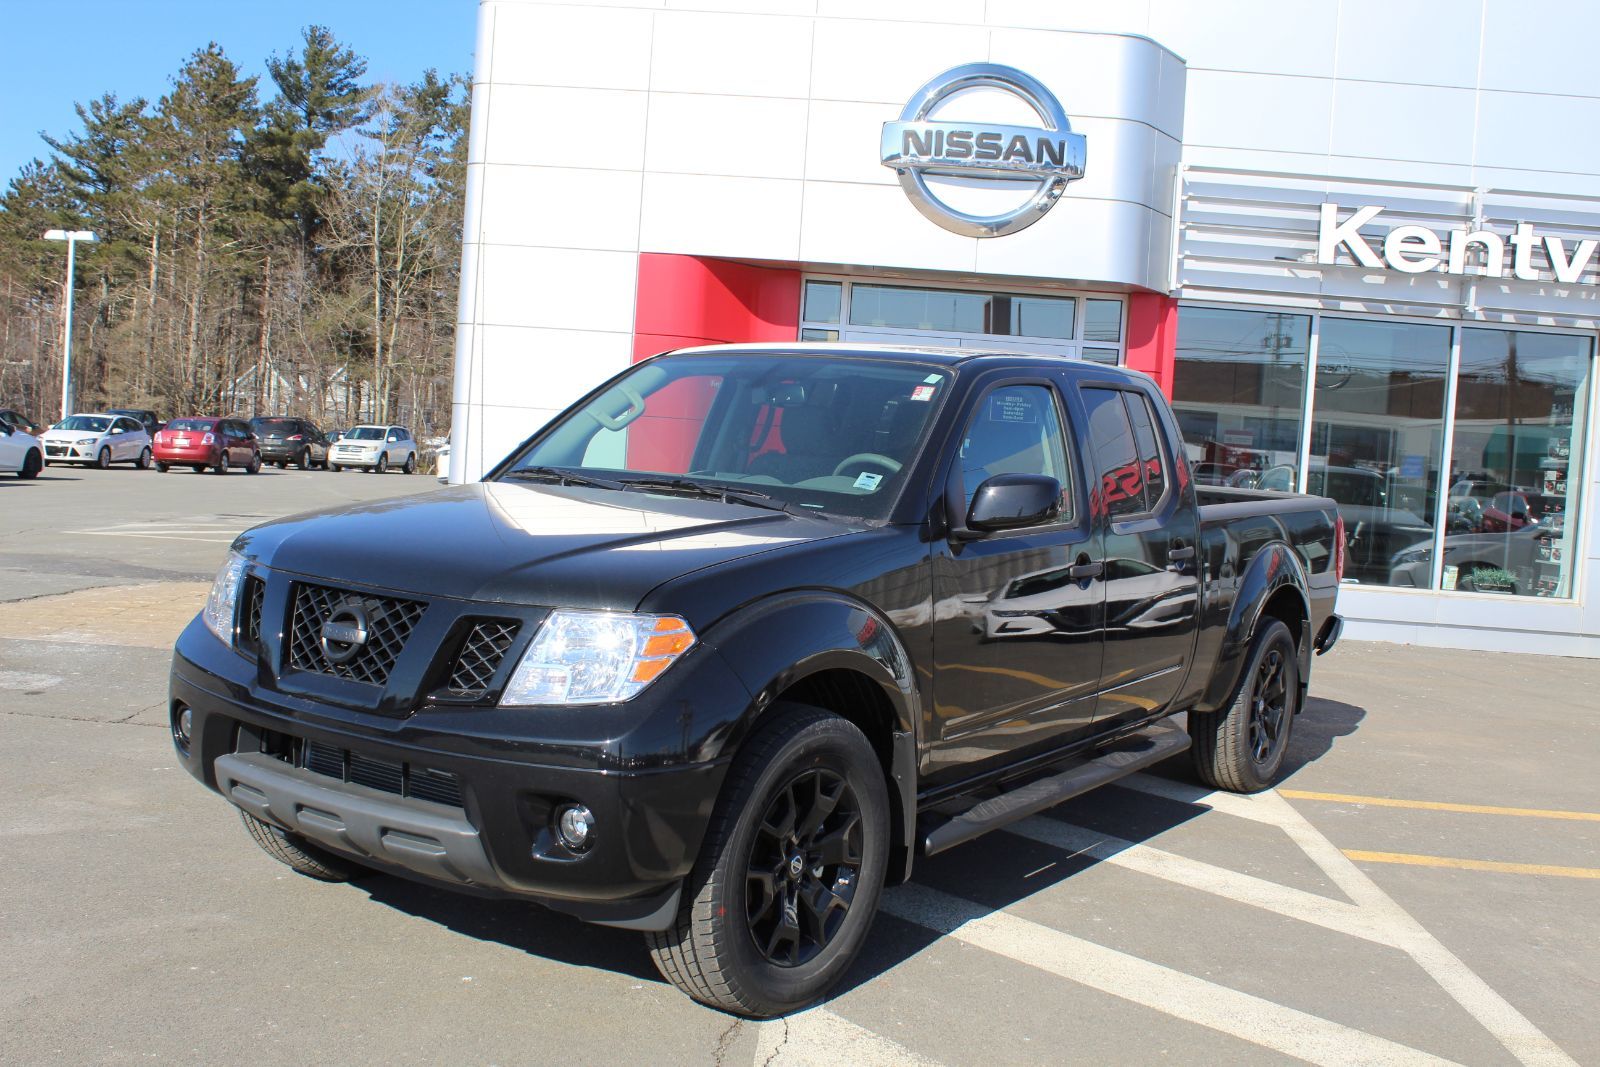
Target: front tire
<point x="335" y="468"/>
<point x="411" y="463"/>
<point x="383" y="464"/>
<point x="103" y="460"/>
<point x="788" y="879"/>
<point x="1241" y="749"/>
<point x="32" y="464"/>
<point x="222" y="464"/>
<point x="296" y="852"/>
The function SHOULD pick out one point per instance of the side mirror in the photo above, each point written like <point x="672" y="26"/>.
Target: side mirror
<point x="393" y="439"/>
<point x="1012" y="501"/>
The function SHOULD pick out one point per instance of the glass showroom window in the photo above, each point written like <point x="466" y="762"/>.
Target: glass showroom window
<point x="1238" y="390"/>
<point x="1514" y="462"/>
<point x="1377" y="441"/>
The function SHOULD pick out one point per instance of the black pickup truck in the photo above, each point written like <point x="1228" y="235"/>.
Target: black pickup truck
<point x="722" y="649"/>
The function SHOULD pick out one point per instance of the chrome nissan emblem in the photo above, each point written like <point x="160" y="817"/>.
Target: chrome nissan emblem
<point x="797" y="866"/>
<point x="344" y="633"/>
<point x="1044" y="158"/>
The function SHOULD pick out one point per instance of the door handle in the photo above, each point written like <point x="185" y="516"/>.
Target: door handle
<point x="1181" y="552"/>
<point x="1084" y="570"/>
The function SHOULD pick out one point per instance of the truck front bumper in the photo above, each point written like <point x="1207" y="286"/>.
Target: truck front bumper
<point x="435" y="797"/>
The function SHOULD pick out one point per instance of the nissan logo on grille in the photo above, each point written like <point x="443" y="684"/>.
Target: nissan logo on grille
<point x="1043" y="159"/>
<point x="344" y="633"/>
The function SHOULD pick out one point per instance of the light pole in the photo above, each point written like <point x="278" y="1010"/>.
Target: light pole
<point x="72" y="237"/>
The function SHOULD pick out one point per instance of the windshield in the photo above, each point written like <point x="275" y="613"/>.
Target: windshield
<point x="365" y="433"/>
<point x="830" y="434"/>
<point x="94" y="423"/>
<point x="191" y="425"/>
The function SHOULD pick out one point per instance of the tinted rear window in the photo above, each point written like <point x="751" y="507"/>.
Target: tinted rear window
<point x="195" y="425"/>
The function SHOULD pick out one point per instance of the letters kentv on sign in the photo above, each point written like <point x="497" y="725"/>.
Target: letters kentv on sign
<point x="1413" y="249"/>
<point x="917" y="146"/>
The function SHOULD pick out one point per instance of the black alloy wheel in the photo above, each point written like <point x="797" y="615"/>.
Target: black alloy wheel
<point x="1241" y="748"/>
<point x="804" y="867"/>
<point x="1269" y="703"/>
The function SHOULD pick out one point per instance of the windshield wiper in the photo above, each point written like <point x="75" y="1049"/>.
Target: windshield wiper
<point x="562" y="476"/>
<point x="727" y="494"/>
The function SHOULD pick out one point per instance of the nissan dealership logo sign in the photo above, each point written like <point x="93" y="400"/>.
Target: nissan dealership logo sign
<point x="1040" y="159"/>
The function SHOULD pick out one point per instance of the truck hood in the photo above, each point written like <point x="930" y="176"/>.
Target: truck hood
<point x="525" y="543"/>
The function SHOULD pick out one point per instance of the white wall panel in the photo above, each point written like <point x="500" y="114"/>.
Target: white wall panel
<point x="562" y="127"/>
<point x="548" y="369"/>
<point x="557" y="287"/>
<point x="1265" y="36"/>
<point x="887" y="61"/>
<point x="1377" y="119"/>
<point x="1263" y="112"/>
<point x="1431" y="42"/>
<point x="1541" y="46"/>
<point x="573" y="45"/>
<point x="1096" y="76"/>
<point x="711" y="215"/>
<point x="735" y="55"/>
<point x="837" y="138"/>
<point x="1091" y="16"/>
<point x="533" y="206"/>
<point x="1539" y="133"/>
<point x="856" y="224"/>
<point x="1080" y="240"/>
<point x="918" y="11"/>
<point x="749" y="136"/>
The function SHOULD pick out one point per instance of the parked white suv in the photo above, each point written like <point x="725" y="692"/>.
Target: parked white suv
<point x="100" y="439"/>
<point x="20" y="453"/>
<point x="375" y="448"/>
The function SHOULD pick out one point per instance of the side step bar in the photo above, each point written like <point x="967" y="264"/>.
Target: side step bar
<point x="1122" y="757"/>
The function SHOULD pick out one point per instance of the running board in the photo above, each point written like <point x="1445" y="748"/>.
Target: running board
<point x="1122" y="757"/>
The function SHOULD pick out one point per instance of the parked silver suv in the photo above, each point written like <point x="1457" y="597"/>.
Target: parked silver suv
<point x="375" y="448"/>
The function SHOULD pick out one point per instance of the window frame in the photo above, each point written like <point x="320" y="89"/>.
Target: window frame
<point x="954" y="481"/>
<point x="1157" y="427"/>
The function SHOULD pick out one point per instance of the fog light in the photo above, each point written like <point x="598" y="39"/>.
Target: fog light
<point x="575" y="827"/>
<point x="182" y="724"/>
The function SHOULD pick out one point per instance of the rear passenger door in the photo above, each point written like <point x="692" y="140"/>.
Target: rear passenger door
<point x="1150" y="527"/>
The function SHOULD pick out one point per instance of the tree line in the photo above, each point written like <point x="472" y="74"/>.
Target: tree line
<point x="298" y="253"/>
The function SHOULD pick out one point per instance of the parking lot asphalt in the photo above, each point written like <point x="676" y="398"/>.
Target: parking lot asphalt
<point x="1422" y="887"/>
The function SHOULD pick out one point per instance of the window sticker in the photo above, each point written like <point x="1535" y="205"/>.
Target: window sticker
<point x="868" y="481"/>
<point x="933" y="379"/>
<point x="922" y="392"/>
<point x="1012" y="407"/>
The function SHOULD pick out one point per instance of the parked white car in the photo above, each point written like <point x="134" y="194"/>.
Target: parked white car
<point x="98" y="439"/>
<point x="375" y="448"/>
<point x="20" y="453"/>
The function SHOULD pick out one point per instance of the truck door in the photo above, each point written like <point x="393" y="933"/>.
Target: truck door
<point x="1151" y="579"/>
<point x="1017" y="614"/>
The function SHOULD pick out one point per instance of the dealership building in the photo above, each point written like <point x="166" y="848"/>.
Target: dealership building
<point x="1354" y="242"/>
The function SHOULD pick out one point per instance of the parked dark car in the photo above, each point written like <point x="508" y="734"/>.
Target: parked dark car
<point x="286" y="439"/>
<point x="148" y="419"/>
<point x="721" y="650"/>
<point x="16" y="420"/>
<point x="203" y="442"/>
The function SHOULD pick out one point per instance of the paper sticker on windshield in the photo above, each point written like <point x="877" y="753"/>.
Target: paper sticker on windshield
<point x="933" y="379"/>
<point x="922" y="392"/>
<point x="868" y="481"/>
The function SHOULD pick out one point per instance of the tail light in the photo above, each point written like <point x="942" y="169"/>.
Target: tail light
<point x="1338" y="549"/>
<point x="209" y="439"/>
<point x="297" y="437"/>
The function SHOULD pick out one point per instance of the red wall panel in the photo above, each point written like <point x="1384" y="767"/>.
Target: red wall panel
<point x="1153" y="336"/>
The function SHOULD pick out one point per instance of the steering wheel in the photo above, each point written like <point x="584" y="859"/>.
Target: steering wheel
<point x="873" y="458"/>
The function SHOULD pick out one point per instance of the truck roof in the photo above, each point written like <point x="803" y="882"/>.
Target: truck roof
<point x="917" y="353"/>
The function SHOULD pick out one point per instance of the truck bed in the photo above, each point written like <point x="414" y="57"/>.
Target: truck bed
<point x="1219" y="503"/>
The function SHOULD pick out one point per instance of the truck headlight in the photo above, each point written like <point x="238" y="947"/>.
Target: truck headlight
<point x="596" y="657"/>
<point x="219" y="609"/>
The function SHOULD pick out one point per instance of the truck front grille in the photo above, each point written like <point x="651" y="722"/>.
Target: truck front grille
<point x="401" y="779"/>
<point x="255" y="591"/>
<point x="387" y="621"/>
<point x="480" y="657"/>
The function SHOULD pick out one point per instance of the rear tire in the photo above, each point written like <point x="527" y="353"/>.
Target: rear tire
<point x="748" y="937"/>
<point x="296" y="852"/>
<point x="32" y="464"/>
<point x="162" y="468"/>
<point x="1241" y="749"/>
<point x="144" y="460"/>
<point x="255" y="464"/>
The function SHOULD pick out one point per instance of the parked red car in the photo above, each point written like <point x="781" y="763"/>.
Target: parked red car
<point x="206" y="442"/>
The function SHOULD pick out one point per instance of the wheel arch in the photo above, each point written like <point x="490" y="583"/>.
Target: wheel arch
<point x="1274" y="586"/>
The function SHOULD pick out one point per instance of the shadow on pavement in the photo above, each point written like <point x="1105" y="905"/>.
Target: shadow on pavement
<point x="995" y="871"/>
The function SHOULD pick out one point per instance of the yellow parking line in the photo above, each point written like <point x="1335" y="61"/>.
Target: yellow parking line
<point x="1435" y="805"/>
<point x="1472" y="865"/>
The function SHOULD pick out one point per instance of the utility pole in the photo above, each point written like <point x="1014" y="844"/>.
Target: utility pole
<point x="72" y="237"/>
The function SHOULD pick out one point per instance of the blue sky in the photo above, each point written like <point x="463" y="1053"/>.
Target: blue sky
<point x="62" y="51"/>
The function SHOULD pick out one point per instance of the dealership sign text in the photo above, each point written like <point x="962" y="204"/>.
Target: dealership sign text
<point x="1413" y="249"/>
